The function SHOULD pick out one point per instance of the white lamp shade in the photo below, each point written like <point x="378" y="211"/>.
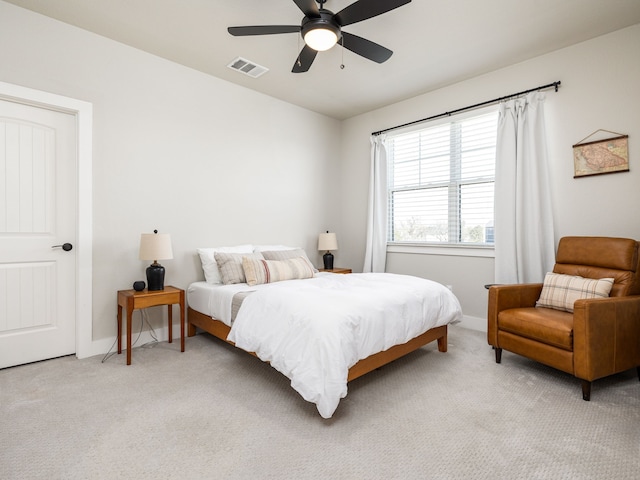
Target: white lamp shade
<point x="155" y="246"/>
<point x="327" y="241"/>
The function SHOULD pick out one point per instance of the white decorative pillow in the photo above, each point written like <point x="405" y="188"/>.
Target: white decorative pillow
<point x="561" y="291"/>
<point x="230" y="265"/>
<point x="262" y="271"/>
<point x="285" y="254"/>
<point x="209" y="265"/>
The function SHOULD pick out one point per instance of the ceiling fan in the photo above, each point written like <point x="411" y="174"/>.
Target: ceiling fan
<point x="322" y="29"/>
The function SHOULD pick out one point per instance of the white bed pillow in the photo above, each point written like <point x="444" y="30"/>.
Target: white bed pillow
<point x="209" y="265"/>
<point x="272" y="248"/>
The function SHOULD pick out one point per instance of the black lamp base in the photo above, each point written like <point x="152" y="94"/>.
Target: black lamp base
<point x="328" y="261"/>
<point x="155" y="277"/>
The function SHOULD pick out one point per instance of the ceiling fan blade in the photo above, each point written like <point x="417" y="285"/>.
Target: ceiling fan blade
<point x="304" y="60"/>
<point x="308" y="7"/>
<point x="364" y="9"/>
<point x="262" y="30"/>
<point x="365" y="48"/>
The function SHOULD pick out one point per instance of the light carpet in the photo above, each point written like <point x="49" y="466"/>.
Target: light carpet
<point x="215" y="412"/>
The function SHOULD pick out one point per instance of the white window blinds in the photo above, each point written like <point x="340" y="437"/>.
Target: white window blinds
<point x="441" y="182"/>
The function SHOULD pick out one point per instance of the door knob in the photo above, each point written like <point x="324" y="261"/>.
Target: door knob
<point x="66" y="246"/>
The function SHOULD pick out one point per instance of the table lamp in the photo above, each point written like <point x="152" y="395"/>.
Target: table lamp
<point x="155" y="246"/>
<point x="327" y="241"/>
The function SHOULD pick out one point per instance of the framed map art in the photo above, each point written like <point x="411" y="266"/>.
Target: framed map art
<point x="609" y="155"/>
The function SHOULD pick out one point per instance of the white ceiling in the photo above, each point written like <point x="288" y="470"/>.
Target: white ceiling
<point x="435" y="42"/>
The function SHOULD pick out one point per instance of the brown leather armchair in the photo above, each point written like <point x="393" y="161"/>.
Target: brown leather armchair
<point x="602" y="335"/>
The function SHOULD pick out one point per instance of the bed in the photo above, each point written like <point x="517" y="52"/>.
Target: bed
<point x="325" y="329"/>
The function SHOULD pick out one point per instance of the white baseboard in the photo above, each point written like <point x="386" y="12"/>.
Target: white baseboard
<point x="474" y="323"/>
<point x="102" y="346"/>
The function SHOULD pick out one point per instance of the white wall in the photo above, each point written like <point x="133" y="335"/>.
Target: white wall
<point x="600" y="80"/>
<point x="213" y="163"/>
<point x="209" y="162"/>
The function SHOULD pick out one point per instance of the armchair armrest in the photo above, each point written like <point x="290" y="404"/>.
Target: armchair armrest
<point x="606" y="336"/>
<point x="504" y="297"/>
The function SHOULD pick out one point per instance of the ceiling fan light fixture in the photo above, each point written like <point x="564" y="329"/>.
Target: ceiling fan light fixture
<point x="321" y="38"/>
<point x="320" y="33"/>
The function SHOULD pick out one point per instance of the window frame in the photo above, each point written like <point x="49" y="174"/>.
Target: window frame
<point x="449" y="248"/>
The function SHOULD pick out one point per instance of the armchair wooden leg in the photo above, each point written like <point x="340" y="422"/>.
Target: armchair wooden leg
<point x="638" y="369"/>
<point x="498" y="354"/>
<point x="586" y="390"/>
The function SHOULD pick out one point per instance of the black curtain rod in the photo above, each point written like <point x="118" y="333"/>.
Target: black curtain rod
<point x="471" y="107"/>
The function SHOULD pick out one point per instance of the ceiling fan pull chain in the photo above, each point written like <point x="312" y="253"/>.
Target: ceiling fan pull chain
<point x="342" y="51"/>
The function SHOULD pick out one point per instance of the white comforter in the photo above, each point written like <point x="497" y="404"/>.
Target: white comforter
<point x="314" y="330"/>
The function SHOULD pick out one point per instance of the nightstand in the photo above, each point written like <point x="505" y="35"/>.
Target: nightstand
<point x="336" y="270"/>
<point x="132" y="300"/>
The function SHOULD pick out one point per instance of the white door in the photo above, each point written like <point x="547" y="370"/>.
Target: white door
<point x="38" y="191"/>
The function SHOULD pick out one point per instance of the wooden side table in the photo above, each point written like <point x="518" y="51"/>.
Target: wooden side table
<point x="336" y="270"/>
<point x="132" y="300"/>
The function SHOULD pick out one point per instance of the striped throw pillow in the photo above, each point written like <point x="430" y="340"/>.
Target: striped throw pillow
<point x="259" y="271"/>
<point x="561" y="291"/>
<point x="230" y="266"/>
<point x="286" y="254"/>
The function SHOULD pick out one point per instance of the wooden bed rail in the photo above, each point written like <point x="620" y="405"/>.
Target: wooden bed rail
<point x="366" y="365"/>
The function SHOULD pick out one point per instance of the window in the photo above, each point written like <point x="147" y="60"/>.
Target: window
<point x="441" y="183"/>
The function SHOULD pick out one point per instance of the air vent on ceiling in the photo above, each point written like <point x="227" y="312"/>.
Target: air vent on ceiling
<point x="247" y="67"/>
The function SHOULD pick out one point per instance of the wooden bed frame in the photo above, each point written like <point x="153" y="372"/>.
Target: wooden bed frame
<point x="366" y="365"/>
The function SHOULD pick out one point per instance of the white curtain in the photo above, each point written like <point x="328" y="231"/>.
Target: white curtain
<point x="524" y="240"/>
<point x="375" y="257"/>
